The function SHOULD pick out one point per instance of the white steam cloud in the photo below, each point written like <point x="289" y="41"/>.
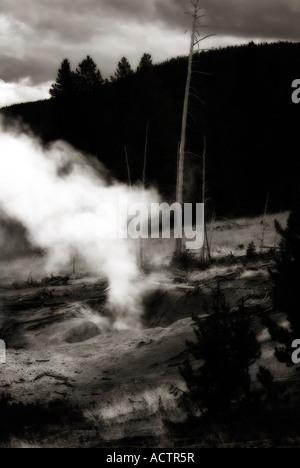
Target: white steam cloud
<point x="57" y="194"/>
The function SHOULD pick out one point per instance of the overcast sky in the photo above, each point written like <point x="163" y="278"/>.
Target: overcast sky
<point x="36" y="35"/>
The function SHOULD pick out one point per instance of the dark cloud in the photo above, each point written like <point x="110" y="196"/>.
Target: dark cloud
<point x="37" y="34"/>
<point x="14" y="68"/>
<point x="267" y="19"/>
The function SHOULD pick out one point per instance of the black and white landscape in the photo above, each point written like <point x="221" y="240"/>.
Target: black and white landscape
<point x="107" y="341"/>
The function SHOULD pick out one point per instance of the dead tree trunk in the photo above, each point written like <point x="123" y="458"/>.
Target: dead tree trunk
<point x="206" y="241"/>
<point x="128" y="167"/>
<point x="196" y="40"/>
<point x="145" y="155"/>
<point x="180" y="177"/>
<point x="264" y="223"/>
<point x="141" y="244"/>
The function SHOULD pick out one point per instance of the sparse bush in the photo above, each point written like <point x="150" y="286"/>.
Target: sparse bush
<point x="251" y="250"/>
<point x="18" y="419"/>
<point x="285" y="294"/>
<point x="271" y="391"/>
<point x="219" y="384"/>
<point x="188" y="261"/>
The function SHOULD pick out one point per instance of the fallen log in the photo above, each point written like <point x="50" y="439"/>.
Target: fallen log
<point x="32" y="301"/>
<point x="63" y="380"/>
<point x="55" y="280"/>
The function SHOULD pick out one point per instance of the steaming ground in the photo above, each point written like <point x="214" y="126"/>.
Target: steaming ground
<point x="112" y="340"/>
<point x="63" y="343"/>
<point x="68" y="207"/>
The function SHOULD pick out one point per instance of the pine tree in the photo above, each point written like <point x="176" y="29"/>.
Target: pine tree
<point x="226" y="347"/>
<point x="88" y="77"/>
<point x="145" y="62"/>
<point x="63" y="87"/>
<point x="285" y="277"/>
<point x="124" y="69"/>
<point x="287" y="272"/>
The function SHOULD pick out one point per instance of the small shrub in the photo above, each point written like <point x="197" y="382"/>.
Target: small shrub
<point x="188" y="261"/>
<point x="17" y="419"/>
<point x="285" y="294"/>
<point x="251" y="250"/>
<point x="219" y="384"/>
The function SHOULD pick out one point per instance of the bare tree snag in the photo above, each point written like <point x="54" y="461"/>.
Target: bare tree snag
<point x="179" y="195"/>
<point x="195" y="42"/>
<point x="206" y="241"/>
<point x="264" y="223"/>
<point x="128" y="167"/>
<point x="141" y="245"/>
<point x="145" y="155"/>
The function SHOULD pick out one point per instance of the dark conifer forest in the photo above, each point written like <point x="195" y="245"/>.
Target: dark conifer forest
<point x="240" y="103"/>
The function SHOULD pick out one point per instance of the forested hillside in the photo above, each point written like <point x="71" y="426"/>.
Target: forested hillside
<point x="241" y="103"/>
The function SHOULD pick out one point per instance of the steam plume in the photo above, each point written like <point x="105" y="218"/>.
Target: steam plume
<point x="59" y="196"/>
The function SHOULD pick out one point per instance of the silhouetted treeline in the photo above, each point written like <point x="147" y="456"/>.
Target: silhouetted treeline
<point x="241" y="102"/>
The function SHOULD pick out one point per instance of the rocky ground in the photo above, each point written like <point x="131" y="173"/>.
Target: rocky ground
<point x="62" y="344"/>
